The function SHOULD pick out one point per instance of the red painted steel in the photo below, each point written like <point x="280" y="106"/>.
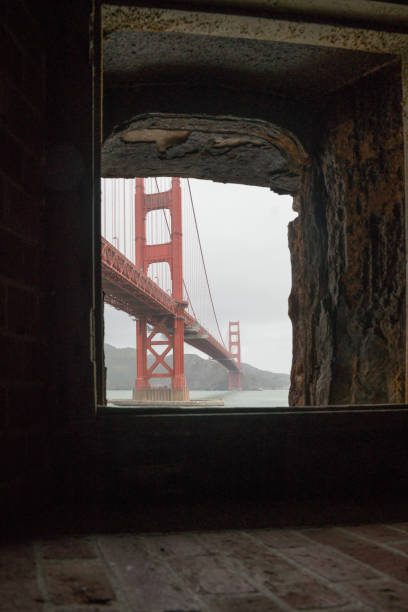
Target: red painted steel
<point x="127" y="287"/>
<point x="152" y="328"/>
<point x="130" y="289"/>
<point x="234" y="347"/>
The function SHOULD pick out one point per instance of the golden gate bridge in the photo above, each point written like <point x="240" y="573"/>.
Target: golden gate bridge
<point x="157" y="274"/>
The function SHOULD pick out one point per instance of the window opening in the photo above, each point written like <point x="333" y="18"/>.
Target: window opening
<point x="244" y="239"/>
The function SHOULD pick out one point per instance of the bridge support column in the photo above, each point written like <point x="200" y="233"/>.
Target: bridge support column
<point x="159" y="330"/>
<point x="234" y="347"/>
<point x="142" y="382"/>
<point x="155" y="339"/>
<point x="179" y="384"/>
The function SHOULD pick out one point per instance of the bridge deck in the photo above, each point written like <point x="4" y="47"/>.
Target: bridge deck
<point x="130" y="290"/>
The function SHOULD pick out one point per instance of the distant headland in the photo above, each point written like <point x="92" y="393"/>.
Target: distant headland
<point x="201" y="373"/>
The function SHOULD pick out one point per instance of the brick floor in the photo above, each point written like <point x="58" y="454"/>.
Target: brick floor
<point x="347" y="569"/>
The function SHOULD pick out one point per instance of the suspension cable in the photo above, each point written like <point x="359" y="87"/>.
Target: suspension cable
<point x="202" y="258"/>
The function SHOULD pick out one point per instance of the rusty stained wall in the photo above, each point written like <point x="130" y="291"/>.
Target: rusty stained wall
<point x="347" y="246"/>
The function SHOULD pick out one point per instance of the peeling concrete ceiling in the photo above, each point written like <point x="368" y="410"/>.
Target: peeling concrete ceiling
<point x="385" y="14"/>
<point x="286" y="69"/>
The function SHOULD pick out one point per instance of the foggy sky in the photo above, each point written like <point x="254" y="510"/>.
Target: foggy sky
<point x="244" y="236"/>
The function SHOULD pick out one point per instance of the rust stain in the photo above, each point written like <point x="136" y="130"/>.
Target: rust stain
<point x="295" y="153"/>
<point x="235" y="141"/>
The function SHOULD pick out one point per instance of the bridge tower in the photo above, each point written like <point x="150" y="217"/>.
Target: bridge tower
<point x="234" y="347"/>
<point x="153" y="332"/>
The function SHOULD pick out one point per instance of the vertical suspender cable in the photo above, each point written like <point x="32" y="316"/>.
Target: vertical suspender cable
<point x="202" y="259"/>
<point x="104" y="210"/>
<point x="184" y="284"/>
<point x="124" y="216"/>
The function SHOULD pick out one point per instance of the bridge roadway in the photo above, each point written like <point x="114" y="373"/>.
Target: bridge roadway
<point x="130" y="290"/>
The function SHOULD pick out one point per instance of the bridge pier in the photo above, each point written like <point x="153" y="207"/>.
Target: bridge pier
<point x="161" y="394"/>
<point x="153" y="331"/>
<point x="179" y="383"/>
<point x="142" y="381"/>
<point x="151" y="334"/>
<point x="234" y="347"/>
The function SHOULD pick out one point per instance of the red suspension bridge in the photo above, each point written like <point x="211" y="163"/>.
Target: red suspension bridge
<point x="143" y="248"/>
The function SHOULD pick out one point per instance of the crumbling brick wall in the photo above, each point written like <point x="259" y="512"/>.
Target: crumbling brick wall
<point x="46" y="254"/>
<point x="23" y="291"/>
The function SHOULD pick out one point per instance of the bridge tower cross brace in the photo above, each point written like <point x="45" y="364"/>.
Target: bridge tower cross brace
<point x="152" y="331"/>
<point x="234" y="347"/>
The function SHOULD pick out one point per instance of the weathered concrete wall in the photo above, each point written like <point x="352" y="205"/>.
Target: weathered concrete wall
<point x="271" y="455"/>
<point x="347" y="301"/>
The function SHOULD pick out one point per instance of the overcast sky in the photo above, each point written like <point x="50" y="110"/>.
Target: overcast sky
<point x="244" y="237"/>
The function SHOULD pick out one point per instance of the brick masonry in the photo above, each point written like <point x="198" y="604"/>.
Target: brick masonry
<point x="23" y="290"/>
<point x="46" y="384"/>
<point x="356" y="568"/>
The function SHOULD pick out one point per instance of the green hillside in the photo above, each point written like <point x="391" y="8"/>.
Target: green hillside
<point x="201" y="373"/>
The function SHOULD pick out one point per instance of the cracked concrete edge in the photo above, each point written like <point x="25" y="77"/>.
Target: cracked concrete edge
<point x="167" y="130"/>
<point x="222" y="134"/>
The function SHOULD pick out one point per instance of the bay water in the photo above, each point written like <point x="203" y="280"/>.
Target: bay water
<point x="266" y="398"/>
